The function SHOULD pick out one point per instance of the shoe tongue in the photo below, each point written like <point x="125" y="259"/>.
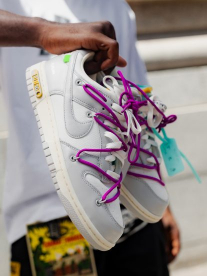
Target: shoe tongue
<point x="138" y="95"/>
<point x="96" y="80"/>
<point x="105" y="88"/>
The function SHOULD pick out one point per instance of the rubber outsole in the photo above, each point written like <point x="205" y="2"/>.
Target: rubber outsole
<point x="45" y="118"/>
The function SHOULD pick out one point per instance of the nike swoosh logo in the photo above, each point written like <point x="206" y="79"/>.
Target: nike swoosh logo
<point x="75" y="128"/>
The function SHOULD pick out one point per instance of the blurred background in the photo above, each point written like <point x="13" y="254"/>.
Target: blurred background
<point x="173" y="44"/>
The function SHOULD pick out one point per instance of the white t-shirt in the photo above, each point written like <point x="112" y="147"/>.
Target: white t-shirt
<point x="29" y="194"/>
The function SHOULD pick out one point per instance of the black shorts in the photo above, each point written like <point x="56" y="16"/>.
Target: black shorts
<point x="142" y="254"/>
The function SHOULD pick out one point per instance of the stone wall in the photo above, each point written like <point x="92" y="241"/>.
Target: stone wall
<point x="165" y="17"/>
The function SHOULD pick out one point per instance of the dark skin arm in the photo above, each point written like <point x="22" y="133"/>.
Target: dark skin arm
<point x="172" y="235"/>
<point x="56" y="38"/>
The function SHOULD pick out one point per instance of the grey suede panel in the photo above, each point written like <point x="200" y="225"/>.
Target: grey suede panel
<point x="140" y="190"/>
<point x="101" y="216"/>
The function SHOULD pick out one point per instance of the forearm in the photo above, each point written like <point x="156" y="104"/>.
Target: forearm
<point x="16" y="30"/>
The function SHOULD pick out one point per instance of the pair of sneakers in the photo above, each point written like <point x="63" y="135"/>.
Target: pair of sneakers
<point x="99" y="146"/>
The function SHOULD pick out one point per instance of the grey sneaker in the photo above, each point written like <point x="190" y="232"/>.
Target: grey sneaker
<point x="83" y="143"/>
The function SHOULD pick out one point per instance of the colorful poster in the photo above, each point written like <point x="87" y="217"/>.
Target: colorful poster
<point x="57" y="248"/>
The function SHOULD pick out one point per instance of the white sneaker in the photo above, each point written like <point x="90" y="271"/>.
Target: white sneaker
<point x="83" y="143"/>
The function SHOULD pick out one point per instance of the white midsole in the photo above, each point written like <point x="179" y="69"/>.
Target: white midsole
<point x="47" y="119"/>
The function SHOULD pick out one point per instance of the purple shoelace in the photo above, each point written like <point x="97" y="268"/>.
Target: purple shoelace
<point x="112" y="118"/>
<point x="165" y="121"/>
<point x="128" y="102"/>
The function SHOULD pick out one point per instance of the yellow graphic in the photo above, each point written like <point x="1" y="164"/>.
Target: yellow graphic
<point x="59" y="248"/>
<point x="53" y="248"/>
<point x="36" y="84"/>
<point x="15" y="269"/>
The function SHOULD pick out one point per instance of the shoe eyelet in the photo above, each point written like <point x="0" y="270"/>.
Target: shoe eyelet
<point x="73" y="158"/>
<point x="78" y="82"/>
<point x="103" y="108"/>
<point x="89" y="114"/>
<point x="100" y="202"/>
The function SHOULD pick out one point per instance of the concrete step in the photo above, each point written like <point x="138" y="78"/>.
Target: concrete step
<point x="156" y="17"/>
<point x="191" y="136"/>
<point x="180" y="87"/>
<point x="188" y="203"/>
<point x="177" y="52"/>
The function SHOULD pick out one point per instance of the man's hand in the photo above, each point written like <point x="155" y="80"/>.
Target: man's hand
<point x="98" y="36"/>
<point x="172" y="235"/>
<point x="58" y="38"/>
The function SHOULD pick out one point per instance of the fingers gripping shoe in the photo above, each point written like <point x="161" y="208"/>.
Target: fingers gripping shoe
<point x="83" y="141"/>
<point x="143" y="191"/>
